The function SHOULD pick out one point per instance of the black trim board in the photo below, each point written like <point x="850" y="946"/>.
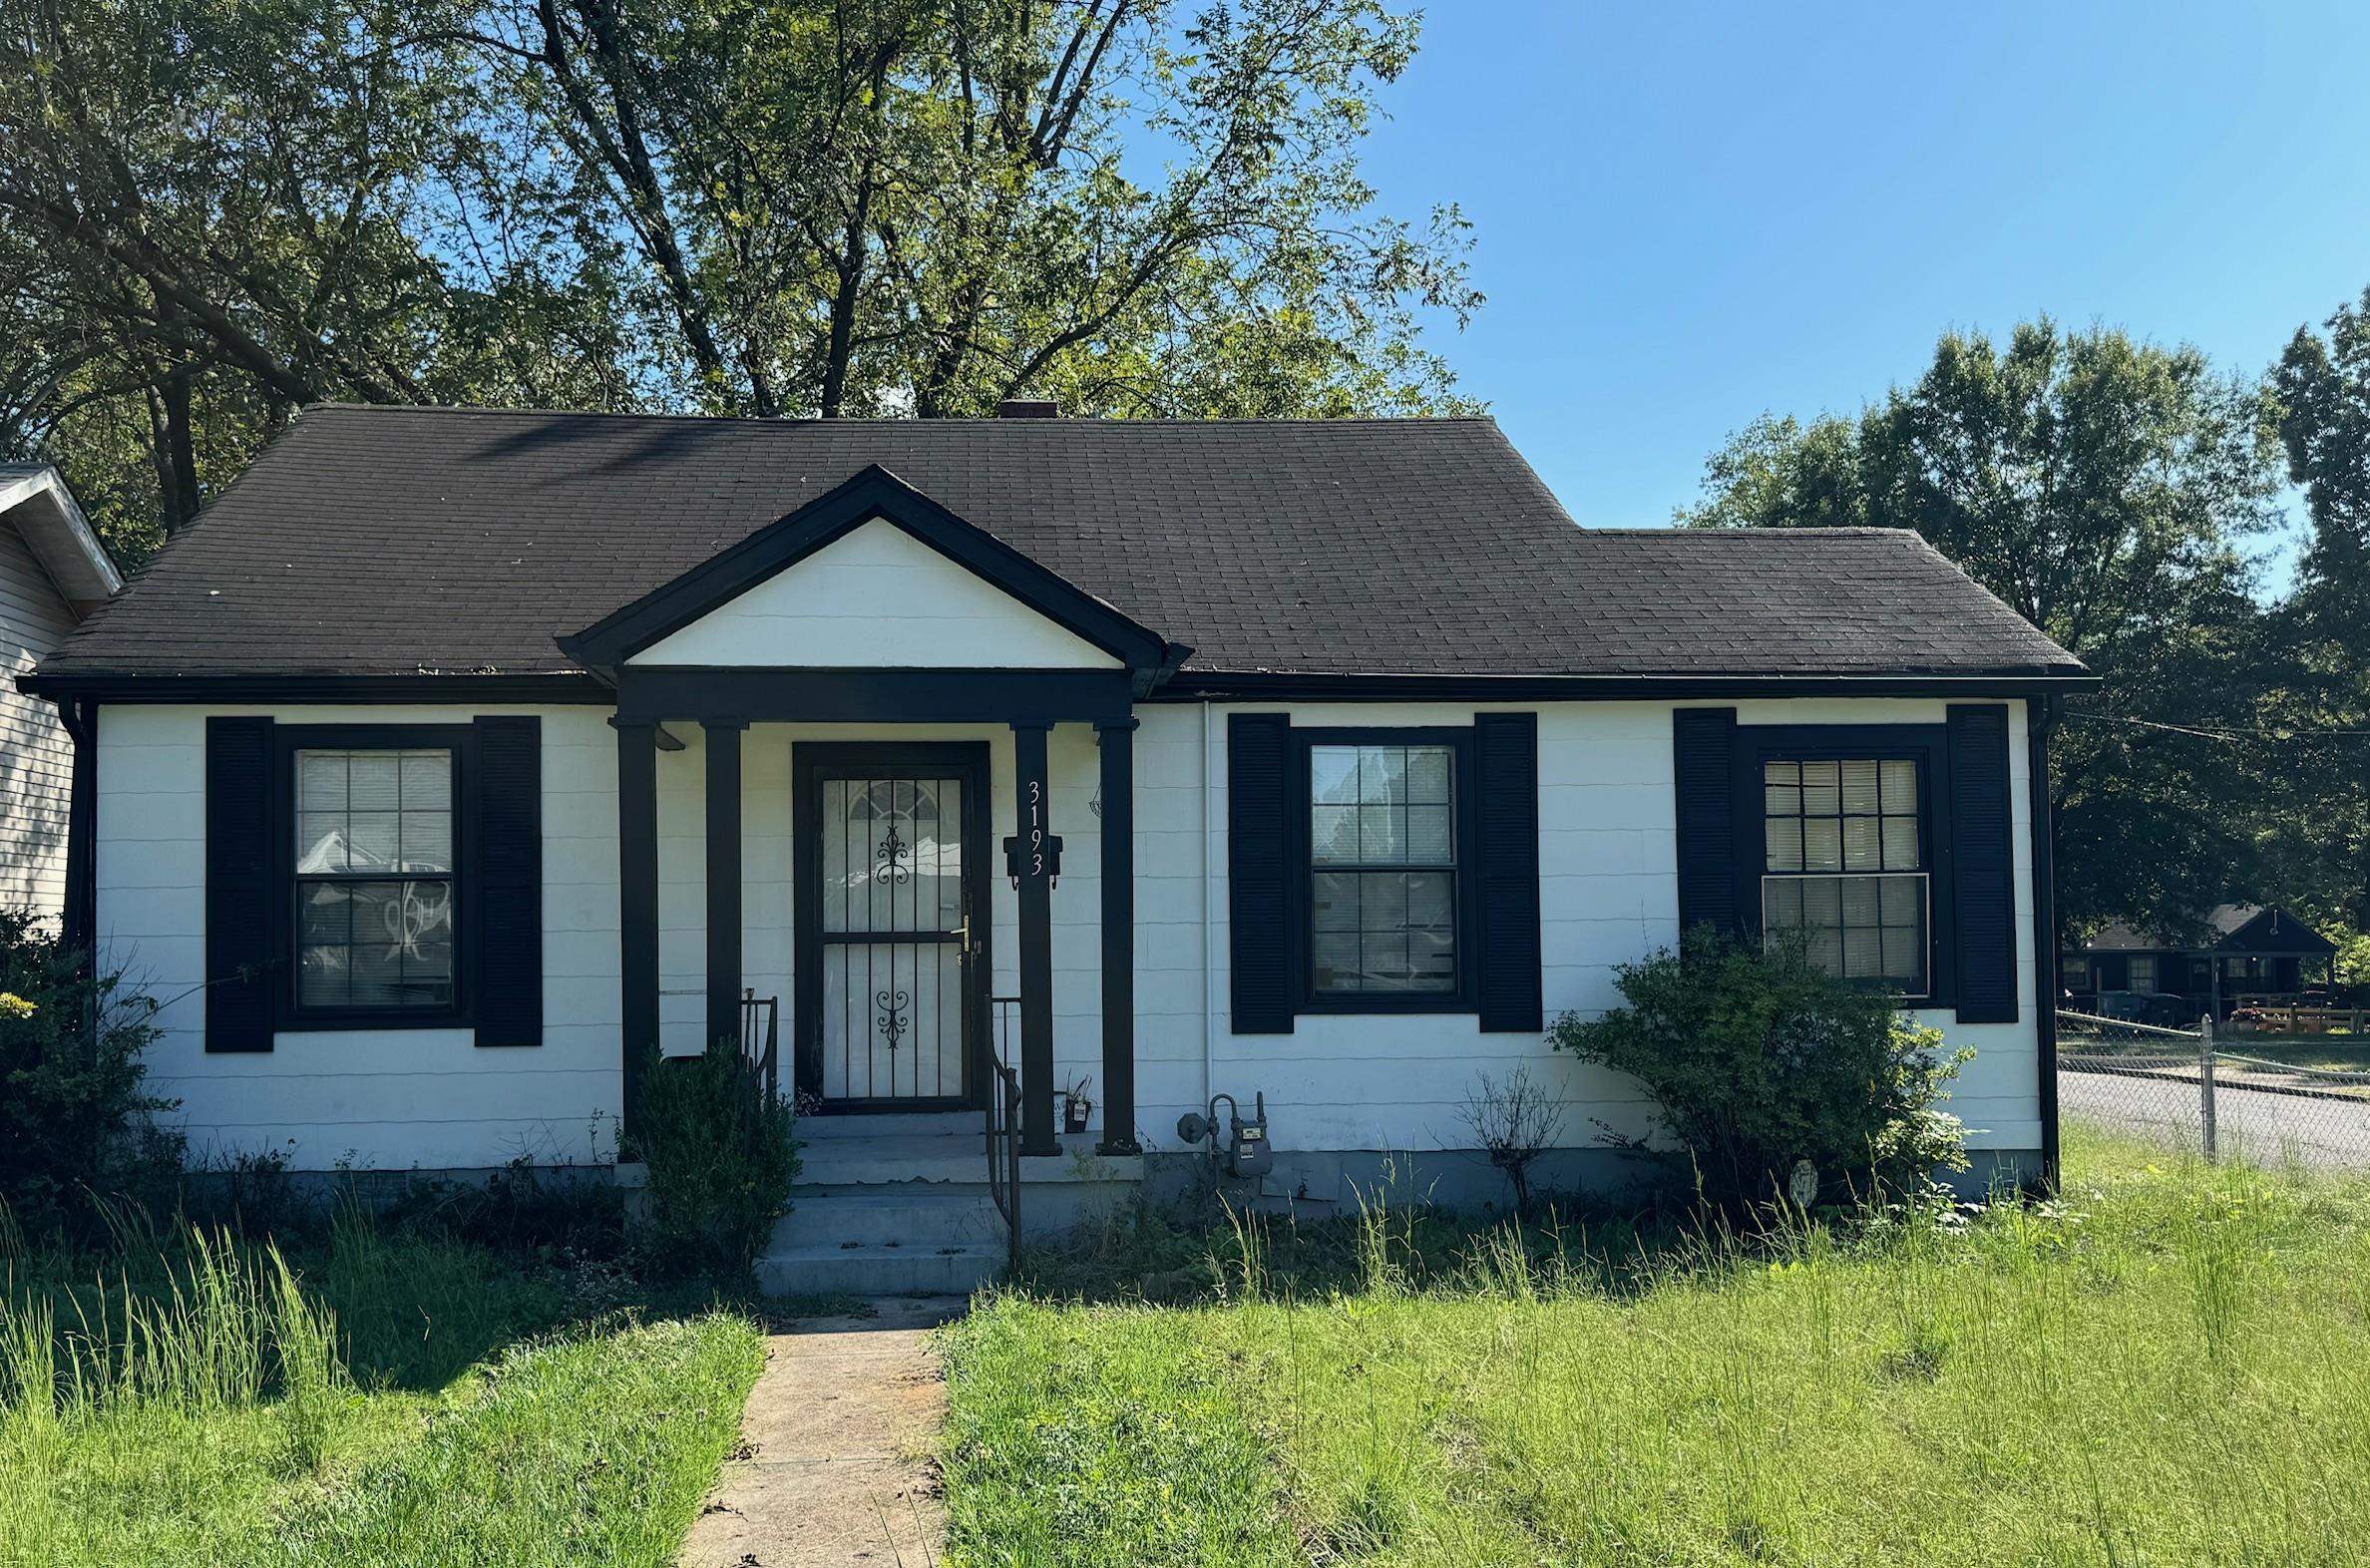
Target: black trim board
<point x="580" y="688"/>
<point x="2041" y="714"/>
<point x="566" y="688"/>
<point x="1316" y="687"/>
<point x="692" y="693"/>
<point x="872" y="493"/>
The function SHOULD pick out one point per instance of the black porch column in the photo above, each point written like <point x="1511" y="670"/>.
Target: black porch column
<point x="637" y="904"/>
<point x="723" y="879"/>
<point x="1032" y="865"/>
<point x="1115" y="741"/>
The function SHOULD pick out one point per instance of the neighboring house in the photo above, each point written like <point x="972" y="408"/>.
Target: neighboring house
<point x="463" y="756"/>
<point x="2245" y="950"/>
<point x="53" y="572"/>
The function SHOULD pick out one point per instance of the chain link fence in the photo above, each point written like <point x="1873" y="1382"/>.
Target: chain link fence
<point x="2182" y="1088"/>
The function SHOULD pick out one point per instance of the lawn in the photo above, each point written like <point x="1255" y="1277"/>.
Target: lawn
<point x="390" y="1400"/>
<point x="2164" y="1368"/>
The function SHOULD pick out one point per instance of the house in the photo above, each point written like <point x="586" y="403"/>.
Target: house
<point x="2245" y="950"/>
<point x="53" y="572"/>
<point x="455" y="758"/>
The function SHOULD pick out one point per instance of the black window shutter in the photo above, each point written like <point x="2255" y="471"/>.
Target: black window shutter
<point x="239" y="971"/>
<point x="510" y="881"/>
<point x="1703" y="743"/>
<point x="1259" y="806"/>
<point x="1506" y="790"/>
<point x="1983" y="859"/>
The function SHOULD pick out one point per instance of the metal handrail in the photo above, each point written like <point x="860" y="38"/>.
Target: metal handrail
<point x="761" y="1037"/>
<point x="1003" y="1104"/>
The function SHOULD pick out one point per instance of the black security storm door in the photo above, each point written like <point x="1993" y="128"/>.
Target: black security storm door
<point x="892" y="925"/>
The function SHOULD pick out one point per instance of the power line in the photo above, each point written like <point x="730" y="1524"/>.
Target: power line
<point x="2217" y="732"/>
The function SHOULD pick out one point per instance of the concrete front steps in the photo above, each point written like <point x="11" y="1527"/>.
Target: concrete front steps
<point x="898" y="1205"/>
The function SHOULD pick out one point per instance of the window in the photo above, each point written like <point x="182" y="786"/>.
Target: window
<point x="375" y="881"/>
<point x="2144" y="972"/>
<point x="2074" y="972"/>
<point x="1382" y="847"/>
<point x="1846" y="865"/>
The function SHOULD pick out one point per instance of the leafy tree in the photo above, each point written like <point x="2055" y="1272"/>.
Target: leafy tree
<point x="220" y="211"/>
<point x="2106" y="489"/>
<point x="2322" y="711"/>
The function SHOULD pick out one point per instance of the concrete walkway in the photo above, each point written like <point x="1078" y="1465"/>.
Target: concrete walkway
<point x="828" y="1471"/>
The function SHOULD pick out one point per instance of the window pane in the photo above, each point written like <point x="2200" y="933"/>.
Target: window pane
<point x="1859" y="844"/>
<point x="427" y="840"/>
<point x="1901" y="787"/>
<point x="1822" y="844"/>
<point x="1781" y="800"/>
<point x="1862" y="960"/>
<point x="1821" y="797"/>
<point x="1823" y="901"/>
<point x="371" y="840"/>
<point x="1428" y="775"/>
<point x="1432" y="961"/>
<point x="1381" y="835"/>
<point x="320" y="781"/>
<point x="374" y="780"/>
<point x="1332" y="775"/>
<point x="1383" y="903"/>
<point x="1333" y="834"/>
<point x="1381" y="775"/>
<point x="1781" y="773"/>
<point x="1785" y="848"/>
<point x="320" y="844"/>
<point x="1902" y="900"/>
<point x="427" y="781"/>
<point x="1859" y="788"/>
<point x="1428" y="835"/>
<point x="1900" y="844"/>
<point x="1859" y="901"/>
<point x="1431" y="899"/>
<point x="1336" y="955"/>
<point x="1781" y="902"/>
<point x="1334" y="904"/>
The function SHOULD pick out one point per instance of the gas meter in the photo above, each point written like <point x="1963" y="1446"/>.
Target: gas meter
<point x="1246" y="1151"/>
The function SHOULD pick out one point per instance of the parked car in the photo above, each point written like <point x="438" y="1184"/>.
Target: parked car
<point x="2162" y="1009"/>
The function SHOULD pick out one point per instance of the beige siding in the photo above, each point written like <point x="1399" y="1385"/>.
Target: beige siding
<point x="36" y="758"/>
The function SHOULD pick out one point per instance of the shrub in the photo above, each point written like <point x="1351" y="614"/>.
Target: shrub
<point x="1757" y="1060"/>
<point x="721" y="1157"/>
<point x="74" y="1119"/>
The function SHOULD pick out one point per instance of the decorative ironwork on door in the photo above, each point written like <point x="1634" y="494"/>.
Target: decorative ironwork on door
<point x="893" y="938"/>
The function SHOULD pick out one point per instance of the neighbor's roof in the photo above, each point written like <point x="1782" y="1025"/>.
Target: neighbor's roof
<point x="2229" y="926"/>
<point x="35" y="500"/>
<point x="401" y="541"/>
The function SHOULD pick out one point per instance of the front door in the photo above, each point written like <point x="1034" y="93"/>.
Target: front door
<point x="891" y="995"/>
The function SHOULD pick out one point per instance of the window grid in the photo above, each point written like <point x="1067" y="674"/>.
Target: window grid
<point x="1844" y="865"/>
<point x="1383" y="868"/>
<point x="375" y="878"/>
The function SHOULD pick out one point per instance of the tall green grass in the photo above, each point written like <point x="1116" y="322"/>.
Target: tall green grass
<point x="193" y="1397"/>
<point x="2164" y="1366"/>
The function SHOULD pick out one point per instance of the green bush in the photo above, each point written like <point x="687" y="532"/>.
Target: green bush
<point x="74" y="1119"/>
<point x="1757" y="1060"/>
<point x="721" y="1155"/>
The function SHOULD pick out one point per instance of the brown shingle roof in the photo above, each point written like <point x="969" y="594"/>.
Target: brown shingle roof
<point x="392" y="540"/>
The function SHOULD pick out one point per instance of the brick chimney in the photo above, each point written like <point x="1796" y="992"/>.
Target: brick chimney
<point x="1027" y="408"/>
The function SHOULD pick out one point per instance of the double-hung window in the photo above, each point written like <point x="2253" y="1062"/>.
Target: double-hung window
<point x="374" y="882"/>
<point x="1383" y="868"/>
<point x="1848" y="867"/>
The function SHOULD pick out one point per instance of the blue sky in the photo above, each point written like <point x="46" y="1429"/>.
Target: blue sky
<point x="1688" y="214"/>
